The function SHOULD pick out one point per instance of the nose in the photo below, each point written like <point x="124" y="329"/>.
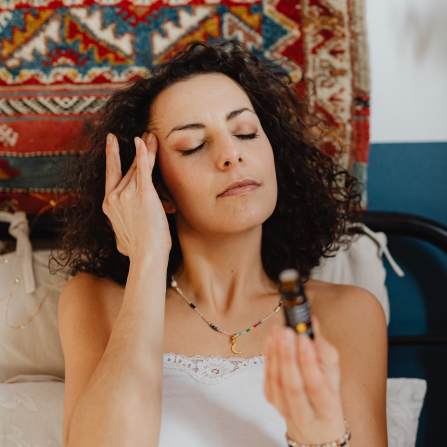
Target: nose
<point x="230" y="154"/>
<point x="228" y="162"/>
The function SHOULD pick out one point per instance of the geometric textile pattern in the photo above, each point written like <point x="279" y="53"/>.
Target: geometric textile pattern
<point x="60" y="59"/>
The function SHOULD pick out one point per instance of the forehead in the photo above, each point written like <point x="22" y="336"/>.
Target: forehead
<point x="197" y="99"/>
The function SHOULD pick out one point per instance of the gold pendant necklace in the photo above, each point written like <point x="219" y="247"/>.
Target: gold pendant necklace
<point x="175" y="286"/>
<point x="233" y="344"/>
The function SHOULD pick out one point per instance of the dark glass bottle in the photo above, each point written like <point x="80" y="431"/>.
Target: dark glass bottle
<point x="294" y="302"/>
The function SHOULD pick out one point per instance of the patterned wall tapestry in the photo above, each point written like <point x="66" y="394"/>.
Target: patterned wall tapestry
<point x="60" y="59"/>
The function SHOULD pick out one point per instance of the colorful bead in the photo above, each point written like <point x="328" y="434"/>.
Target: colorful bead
<point x="174" y="284"/>
<point x="342" y="442"/>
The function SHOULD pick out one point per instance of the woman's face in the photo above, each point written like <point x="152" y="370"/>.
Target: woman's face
<point x="210" y="137"/>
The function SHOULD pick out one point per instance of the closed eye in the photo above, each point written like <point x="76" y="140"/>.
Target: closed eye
<point x="242" y="137"/>
<point x="191" y="151"/>
<point x="248" y="137"/>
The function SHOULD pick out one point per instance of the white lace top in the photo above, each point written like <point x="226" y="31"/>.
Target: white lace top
<point x="212" y="401"/>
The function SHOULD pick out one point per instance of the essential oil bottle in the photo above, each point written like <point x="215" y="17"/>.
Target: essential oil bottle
<point x="294" y="302"/>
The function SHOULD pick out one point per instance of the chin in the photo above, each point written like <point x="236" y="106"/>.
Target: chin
<point x="229" y="217"/>
<point x="242" y="220"/>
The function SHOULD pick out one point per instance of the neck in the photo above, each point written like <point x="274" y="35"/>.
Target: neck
<point x="222" y="273"/>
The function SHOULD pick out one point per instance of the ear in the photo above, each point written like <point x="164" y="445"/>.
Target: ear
<point x="166" y="200"/>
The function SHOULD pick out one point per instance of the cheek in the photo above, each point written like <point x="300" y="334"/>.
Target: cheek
<point x="266" y="164"/>
<point x="272" y="190"/>
<point x="184" y="185"/>
<point x="270" y="163"/>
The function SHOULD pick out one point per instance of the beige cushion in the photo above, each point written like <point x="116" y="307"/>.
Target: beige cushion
<point x="36" y="348"/>
<point x="361" y="265"/>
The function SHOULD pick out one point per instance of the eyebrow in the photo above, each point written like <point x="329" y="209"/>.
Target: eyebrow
<point x="233" y="114"/>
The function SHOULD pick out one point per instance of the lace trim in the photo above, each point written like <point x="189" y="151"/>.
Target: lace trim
<point x="211" y="370"/>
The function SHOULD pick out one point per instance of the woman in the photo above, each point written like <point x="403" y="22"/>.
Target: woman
<point x="212" y="180"/>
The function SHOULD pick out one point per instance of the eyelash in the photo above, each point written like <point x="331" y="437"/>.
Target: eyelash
<point x="252" y="136"/>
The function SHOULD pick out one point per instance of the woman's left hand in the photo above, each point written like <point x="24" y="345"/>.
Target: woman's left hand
<point x="302" y="380"/>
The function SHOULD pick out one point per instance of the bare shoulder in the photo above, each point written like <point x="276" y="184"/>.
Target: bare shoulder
<point x="346" y="311"/>
<point x="90" y="298"/>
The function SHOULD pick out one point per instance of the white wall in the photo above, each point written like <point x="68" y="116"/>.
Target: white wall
<point x="408" y="51"/>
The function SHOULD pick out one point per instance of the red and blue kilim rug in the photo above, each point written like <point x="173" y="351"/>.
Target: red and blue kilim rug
<point x="61" y="58"/>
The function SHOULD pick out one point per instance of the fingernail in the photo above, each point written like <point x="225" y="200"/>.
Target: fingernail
<point x="137" y="141"/>
<point x="109" y="138"/>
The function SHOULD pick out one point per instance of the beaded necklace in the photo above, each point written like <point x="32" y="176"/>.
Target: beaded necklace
<point x="175" y="286"/>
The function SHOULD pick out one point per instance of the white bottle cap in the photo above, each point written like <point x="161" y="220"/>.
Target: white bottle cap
<point x="288" y="275"/>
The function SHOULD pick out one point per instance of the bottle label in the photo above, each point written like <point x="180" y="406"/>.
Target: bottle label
<point x="298" y="318"/>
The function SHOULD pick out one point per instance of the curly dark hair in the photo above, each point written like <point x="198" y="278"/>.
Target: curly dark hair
<point x="316" y="197"/>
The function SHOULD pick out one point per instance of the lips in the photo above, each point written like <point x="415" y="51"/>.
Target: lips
<point x="240" y="187"/>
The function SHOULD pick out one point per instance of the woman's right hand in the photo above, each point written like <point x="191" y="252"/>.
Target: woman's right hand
<point x="132" y="204"/>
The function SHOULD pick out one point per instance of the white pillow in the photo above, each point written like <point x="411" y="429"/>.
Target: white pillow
<point x="360" y="265"/>
<point x="404" y="400"/>
<point x="31" y="413"/>
<point x="36" y="348"/>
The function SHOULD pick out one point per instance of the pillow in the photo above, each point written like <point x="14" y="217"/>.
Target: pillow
<point x="404" y="400"/>
<point x="35" y="348"/>
<point x="360" y="265"/>
<point x="31" y="410"/>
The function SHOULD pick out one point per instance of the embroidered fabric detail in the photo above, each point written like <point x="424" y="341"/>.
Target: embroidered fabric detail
<point x="211" y="370"/>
